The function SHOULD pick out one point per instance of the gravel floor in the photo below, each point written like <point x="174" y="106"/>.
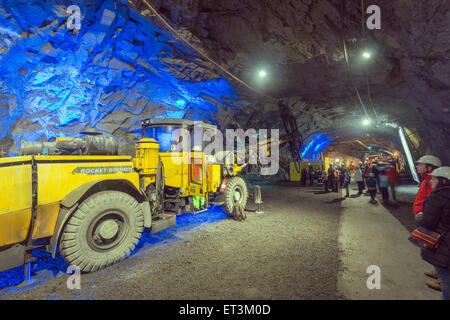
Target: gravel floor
<point x="288" y="252"/>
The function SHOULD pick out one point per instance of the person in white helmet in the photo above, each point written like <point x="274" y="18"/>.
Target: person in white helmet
<point x="436" y="217"/>
<point x="359" y="177"/>
<point x="425" y="166"/>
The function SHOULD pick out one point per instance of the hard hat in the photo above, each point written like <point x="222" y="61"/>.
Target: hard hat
<point x="428" y="159"/>
<point x="442" y="172"/>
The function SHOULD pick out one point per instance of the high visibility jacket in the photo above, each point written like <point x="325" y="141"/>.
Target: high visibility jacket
<point x="424" y="190"/>
<point x="393" y="175"/>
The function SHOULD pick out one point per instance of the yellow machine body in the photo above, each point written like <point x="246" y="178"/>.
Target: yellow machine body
<point x="327" y="161"/>
<point x="295" y="175"/>
<point x="43" y="192"/>
<point x="319" y="164"/>
<point x="57" y="177"/>
<point x="146" y="160"/>
<point x="190" y="172"/>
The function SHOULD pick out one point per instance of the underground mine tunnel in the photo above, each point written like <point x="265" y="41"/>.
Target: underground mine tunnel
<point x="215" y="149"/>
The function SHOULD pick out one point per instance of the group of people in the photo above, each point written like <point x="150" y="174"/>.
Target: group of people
<point x="308" y="174"/>
<point x="336" y="176"/>
<point x="378" y="176"/>
<point x="432" y="211"/>
<point x="333" y="178"/>
<point x="431" y="206"/>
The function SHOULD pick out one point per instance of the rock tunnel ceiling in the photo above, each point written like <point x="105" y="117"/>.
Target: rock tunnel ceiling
<point x="124" y="65"/>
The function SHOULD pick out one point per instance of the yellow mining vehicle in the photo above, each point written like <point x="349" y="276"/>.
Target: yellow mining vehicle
<point x="86" y="198"/>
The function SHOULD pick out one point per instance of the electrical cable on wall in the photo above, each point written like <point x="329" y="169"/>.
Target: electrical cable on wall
<point x="352" y="79"/>
<point x="369" y="94"/>
<point x="177" y="34"/>
<point x="365" y="66"/>
<point x="362" y="20"/>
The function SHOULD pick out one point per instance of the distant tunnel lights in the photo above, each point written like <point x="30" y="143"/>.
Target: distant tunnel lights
<point x="366" y="122"/>
<point x="366" y="55"/>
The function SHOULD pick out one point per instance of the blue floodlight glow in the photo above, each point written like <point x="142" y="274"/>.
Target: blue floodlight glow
<point x="315" y="146"/>
<point x="117" y="70"/>
<point x="44" y="261"/>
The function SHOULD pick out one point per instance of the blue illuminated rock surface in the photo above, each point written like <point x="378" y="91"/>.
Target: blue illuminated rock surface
<point x="117" y="70"/>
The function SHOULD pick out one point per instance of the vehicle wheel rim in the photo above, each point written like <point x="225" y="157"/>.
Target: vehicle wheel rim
<point x="107" y="230"/>
<point x="237" y="195"/>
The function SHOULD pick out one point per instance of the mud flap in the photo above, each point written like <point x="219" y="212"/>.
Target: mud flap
<point x="12" y="257"/>
<point x="163" y="221"/>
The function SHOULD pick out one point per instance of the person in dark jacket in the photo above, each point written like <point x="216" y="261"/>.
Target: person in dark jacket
<point x="375" y="171"/>
<point x="311" y="175"/>
<point x="347" y="180"/>
<point x="342" y="170"/>
<point x="359" y="178"/>
<point x="436" y="217"/>
<point x="366" y="175"/>
<point x="372" y="186"/>
<point x="304" y="176"/>
<point x="425" y="166"/>
<point x="332" y="179"/>
<point x="325" y="180"/>
<point x="320" y="176"/>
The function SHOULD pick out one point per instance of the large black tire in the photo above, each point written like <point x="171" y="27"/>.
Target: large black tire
<point x="235" y="191"/>
<point x="103" y="230"/>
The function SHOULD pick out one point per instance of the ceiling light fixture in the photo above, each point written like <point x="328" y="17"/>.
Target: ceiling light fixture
<point x="262" y="73"/>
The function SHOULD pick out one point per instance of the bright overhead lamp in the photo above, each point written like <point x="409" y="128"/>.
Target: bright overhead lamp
<point x="366" y="122"/>
<point x="262" y="73"/>
<point x="366" y="55"/>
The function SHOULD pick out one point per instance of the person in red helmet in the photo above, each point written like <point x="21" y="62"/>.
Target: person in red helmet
<point x="425" y="167"/>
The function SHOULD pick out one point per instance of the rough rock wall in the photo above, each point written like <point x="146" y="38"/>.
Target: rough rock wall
<point x="120" y="67"/>
<point x="299" y="43"/>
<point x="116" y="70"/>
